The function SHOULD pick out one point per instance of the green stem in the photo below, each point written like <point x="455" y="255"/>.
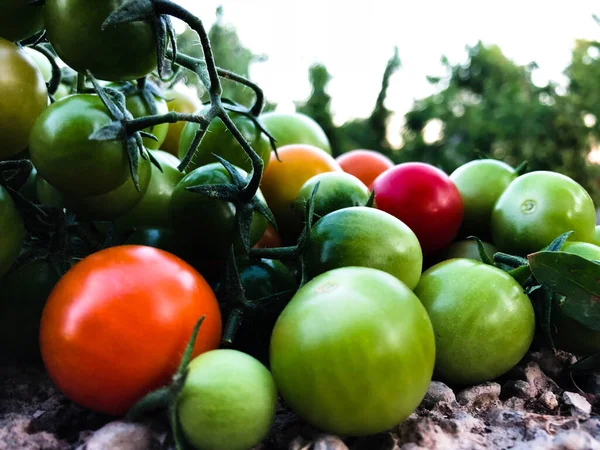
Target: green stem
<point x="80" y="82"/>
<point x="280" y="253"/>
<point x="233" y="324"/>
<point x="142" y="123"/>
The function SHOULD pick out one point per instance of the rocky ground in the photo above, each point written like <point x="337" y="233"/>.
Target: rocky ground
<point x="538" y="405"/>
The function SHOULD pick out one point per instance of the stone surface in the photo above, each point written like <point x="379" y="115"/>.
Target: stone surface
<point x="438" y="392"/>
<point x="579" y="405"/>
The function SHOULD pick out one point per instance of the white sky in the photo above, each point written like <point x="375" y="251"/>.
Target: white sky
<point x="355" y="38"/>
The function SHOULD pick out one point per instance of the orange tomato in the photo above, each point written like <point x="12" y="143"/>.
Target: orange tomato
<point x="366" y="165"/>
<point x="270" y="239"/>
<point x="182" y="99"/>
<point x="283" y="179"/>
<point x="116" y="325"/>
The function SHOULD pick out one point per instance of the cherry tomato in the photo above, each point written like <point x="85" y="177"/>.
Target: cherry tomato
<point x="362" y="236"/>
<point x="295" y="128"/>
<point x="118" y="53"/>
<point x="270" y="239"/>
<point x="20" y="20"/>
<point x="23" y="97"/>
<point x="181" y="99"/>
<point x="47" y="194"/>
<point x="41" y="62"/>
<point x="424" y="198"/>
<point x="220" y="141"/>
<point x="480" y="184"/>
<point x="13" y="231"/>
<point x="283" y="179"/>
<point x="153" y="208"/>
<point x="366" y="165"/>
<point x="596" y="239"/>
<point x="64" y="155"/>
<point x="115" y="326"/>
<point x="538" y="207"/>
<point x="227" y="402"/>
<point x="483" y="322"/>
<point x="209" y="224"/>
<point x="353" y="352"/>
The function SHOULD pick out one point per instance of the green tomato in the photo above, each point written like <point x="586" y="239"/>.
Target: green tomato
<point x="538" y="207"/>
<point x="480" y="184"/>
<point x="24" y="294"/>
<point x="295" y="128"/>
<point x="123" y="52"/>
<point x="209" y="224"/>
<point x="353" y="352"/>
<point x="367" y="237"/>
<point x="567" y="333"/>
<point x="13" y="231"/>
<point x="220" y="141"/>
<point x="64" y="155"/>
<point x="62" y="91"/>
<point x="153" y="208"/>
<point x="47" y="194"/>
<point x="337" y="190"/>
<point x="41" y="62"/>
<point x="138" y="107"/>
<point x="20" y="20"/>
<point x="596" y="239"/>
<point x="483" y="322"/>
<point x="469" y="249"/>
<point x="227" y="402"/>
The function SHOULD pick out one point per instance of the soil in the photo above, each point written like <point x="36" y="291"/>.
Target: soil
<point x="538" y="405"/>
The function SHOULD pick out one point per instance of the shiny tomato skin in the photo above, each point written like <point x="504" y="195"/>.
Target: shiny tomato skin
<point x="353" y="351"/>
<point x="538" y="207"/>
<point x="366" y="165"/>
<point x="483" y="321"/>
<point x="425" y="199"/>
<point x="115" y="326"/>
<point x="183" y="99"/>
<point x="138" y="107"/>
<point x="23" y="97"/>
<point x="295" y="128"/>
<point x="596" y="239"/>
<point x="118" y="53"/>
<point x="20" y="20"/>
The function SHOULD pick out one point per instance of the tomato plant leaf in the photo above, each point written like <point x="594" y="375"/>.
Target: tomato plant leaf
<point x="575" y="278"/>
<point x="152" y="401"/>
<point x="587" y="364"/>
<point x="511" y="261"/>
<point x="558" y="243"/>
<point x="481" y="249"/>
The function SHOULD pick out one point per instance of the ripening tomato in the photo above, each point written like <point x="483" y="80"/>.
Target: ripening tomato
<point x="295" y="128"/>
<point x="366" y="165"/>
<point x="41" y="62"/>
<point x="424" y="198"/>
<point x="19" y="19"/>
<point x="270" y="239"/>
<point x="23" y="97"/>
<point x="115" y="326"/>
<point x="283" y="179"/>
<point x="183" y="99"/>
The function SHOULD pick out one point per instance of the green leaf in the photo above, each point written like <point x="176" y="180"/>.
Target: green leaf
<point x="574" y="277"/>
<point x="558" y="243"/>
<point x="481" y="249"/>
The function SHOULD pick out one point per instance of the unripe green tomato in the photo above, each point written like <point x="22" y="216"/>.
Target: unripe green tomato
<point x="596" y="239"/>
<point x="295" y="128"/>
<point x="137" y="106"/>
<point x="41" y="62"/>
<point x="469" y="249"/>
<point x="353" y="351"/>
<point x="227" y="402"/>
<point x="483" y="321"/>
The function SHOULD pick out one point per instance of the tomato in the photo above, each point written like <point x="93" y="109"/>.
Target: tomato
<point x="362" y="236"/>
<point x="483" y="322"/>
<point x="424" y="198"/>
<point x="596" y="239"/>
<point x="469" y="249"/>
<point x="115" y="326"/>
<point x="13" y="231"/>
<point x="270" y="239"/>
<point x="209" y="224"/>
<point x="283" y="179"/>
<point x="47" y="194"/>
<point x="220" y="141"/>
<point x="567" y="333"/>
<point x="337" y="190"/>
<point x="20" y="20"/>
<point x="366" y="165"/>
<point x="182" y="99"/>
<point x="23" y="96"/>
<point x="480" y="184"/>
<point x="64" y="155"/>
<point x="41" y="62"/>
<point x="353" y="352"/>
<point x="227" y="402"/>
<point x="153" y="208"/>
<point x="62" y="91"/>
<point x="538" y="207"/>
<point x="295" y="128"/>
<point x="24" y="294"/>
<point x="119" y="53"/>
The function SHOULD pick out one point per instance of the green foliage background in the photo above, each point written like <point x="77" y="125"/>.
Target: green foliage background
<point x="486" y="106"/>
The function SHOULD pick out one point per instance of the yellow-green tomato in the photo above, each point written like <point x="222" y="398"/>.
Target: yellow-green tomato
<point x="596" y="239"/>
<point x="483" y="322"/>
<point x="295" y="128"/>
<point x="353" y="351"/>
<point x="41" y="62"/>
<point x="227" y="402"/>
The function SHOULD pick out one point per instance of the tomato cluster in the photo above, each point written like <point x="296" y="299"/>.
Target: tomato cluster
<point x="327" y="278"/>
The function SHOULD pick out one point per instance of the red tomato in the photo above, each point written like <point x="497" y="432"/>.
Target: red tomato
<point x="270" y="239"/>
<point x="366" y="165"/>
<point x="425" y="199"/>
<point x="116" y="325"/>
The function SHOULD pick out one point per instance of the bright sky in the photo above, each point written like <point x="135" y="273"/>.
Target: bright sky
<point x="354" y="39"/>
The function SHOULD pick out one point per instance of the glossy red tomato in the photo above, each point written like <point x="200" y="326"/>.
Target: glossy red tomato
<point x="115" y="326"/>
<point x="425" y="199"/>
